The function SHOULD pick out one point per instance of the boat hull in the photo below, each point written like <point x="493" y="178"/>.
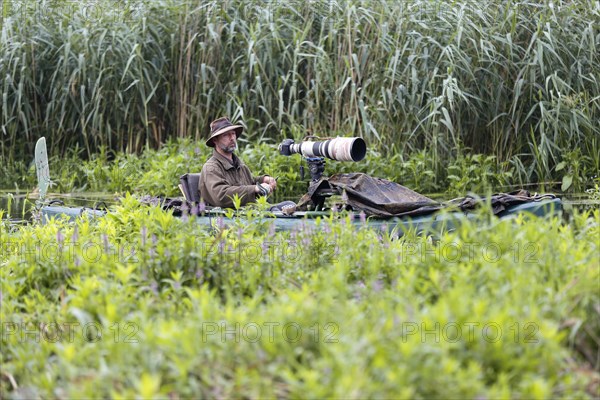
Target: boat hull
<point x="432" y="222"/>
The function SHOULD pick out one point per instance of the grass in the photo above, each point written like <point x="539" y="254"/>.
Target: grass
<point x="517" y="81"/>
<point x="142" y="304"/>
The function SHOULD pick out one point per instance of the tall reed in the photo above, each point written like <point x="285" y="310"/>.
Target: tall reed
<point x="517" y="79"/>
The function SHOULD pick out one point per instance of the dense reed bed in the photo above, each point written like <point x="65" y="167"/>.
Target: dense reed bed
<point x="516" y="80"/>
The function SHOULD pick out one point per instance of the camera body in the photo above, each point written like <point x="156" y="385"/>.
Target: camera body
<point x="284" y="147"/>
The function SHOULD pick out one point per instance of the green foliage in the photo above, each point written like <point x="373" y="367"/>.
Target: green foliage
<point x="575" y="169"/>
<point x="477" y="174"/>
<point x="594" y="192"/>
<point x="162" y="169"/>
<point x="514" y="80"/>
<point x="17" y="176"/>
<point x="156" y="172"/>
<point x="343" y="311"/>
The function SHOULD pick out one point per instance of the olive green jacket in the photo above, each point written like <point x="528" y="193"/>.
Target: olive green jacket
<point x="220" y="180"/>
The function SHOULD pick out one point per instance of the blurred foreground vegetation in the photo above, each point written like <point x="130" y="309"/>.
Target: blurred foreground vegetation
<point x="142" y="304"/>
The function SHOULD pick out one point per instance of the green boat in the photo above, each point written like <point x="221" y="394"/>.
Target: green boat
<point x="397" y="226"/>
<point x="410" y="211"/>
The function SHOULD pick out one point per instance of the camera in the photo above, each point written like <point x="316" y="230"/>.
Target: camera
<point x="338" y="149"/>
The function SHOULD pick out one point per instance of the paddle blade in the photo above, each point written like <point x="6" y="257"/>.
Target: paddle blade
<point x="42" y="168"/>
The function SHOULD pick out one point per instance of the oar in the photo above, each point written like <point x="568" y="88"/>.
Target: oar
<point x="42" y="168"/>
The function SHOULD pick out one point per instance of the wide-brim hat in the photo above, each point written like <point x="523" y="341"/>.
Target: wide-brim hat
<point x="219" y="127"/>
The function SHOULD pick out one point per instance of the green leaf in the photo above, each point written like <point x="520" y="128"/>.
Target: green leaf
<point x="561" y="165"/>
<point x="566" y="182"/>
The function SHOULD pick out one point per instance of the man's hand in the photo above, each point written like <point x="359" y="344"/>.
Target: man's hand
<point x="262" y="189"/>
<point x="269" y="180"/>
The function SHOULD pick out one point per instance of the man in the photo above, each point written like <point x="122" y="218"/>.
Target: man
<point x="224" y="175"/>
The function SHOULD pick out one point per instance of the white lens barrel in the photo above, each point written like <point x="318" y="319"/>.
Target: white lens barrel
<point x="339" y="149"/>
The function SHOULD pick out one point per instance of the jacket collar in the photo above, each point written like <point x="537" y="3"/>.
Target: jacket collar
<point x="227" y="165"/>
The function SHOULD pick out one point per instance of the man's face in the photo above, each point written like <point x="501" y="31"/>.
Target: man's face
<point x="226" y="142"/>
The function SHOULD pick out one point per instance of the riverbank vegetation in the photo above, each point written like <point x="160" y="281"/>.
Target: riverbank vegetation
<point x="156" y="172"/>
<point x="510" y="85"/>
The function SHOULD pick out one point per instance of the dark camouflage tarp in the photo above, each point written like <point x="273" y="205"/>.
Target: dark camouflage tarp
<point x="384" y="198"/>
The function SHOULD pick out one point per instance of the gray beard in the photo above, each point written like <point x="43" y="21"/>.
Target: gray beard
<point x="228" y="149"/>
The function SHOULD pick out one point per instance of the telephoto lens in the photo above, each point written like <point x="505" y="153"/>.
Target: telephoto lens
<point x="338" y="149"/>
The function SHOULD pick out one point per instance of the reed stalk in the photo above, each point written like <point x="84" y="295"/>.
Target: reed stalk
<point x="516" y="79"/>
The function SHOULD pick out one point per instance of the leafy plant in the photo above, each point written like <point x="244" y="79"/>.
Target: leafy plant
<point x="594" y="192"/>
<point x="141" y="303"/>
<point x="478" y="174"/>
<point x="573" y="168"/>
